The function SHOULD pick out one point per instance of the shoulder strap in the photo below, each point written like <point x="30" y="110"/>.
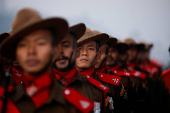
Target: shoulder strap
<point x="78" y="100"/>
<point x="97" y="84"/>
<point x="121" y="73"/>
<point x="111" y="79"/>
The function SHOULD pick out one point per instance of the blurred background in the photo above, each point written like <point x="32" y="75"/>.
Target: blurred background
<point x="143" y="20"/>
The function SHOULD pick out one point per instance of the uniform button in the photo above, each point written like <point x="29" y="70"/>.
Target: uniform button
<point x="67" y="92"/>
<point x="101" y="75"/>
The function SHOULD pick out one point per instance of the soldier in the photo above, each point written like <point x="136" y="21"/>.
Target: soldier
<point x="105" y="78"/>
<point x="88" y="46"/>
<point x="164" y="91"/>
<point x="32" y="45"/>
<point x="64" y="67"/>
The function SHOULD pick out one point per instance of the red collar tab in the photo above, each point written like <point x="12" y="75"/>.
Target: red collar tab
<point x="67" y="78"/>
<point x="37" y="89"/>
<point x="10" y="107"/>
<point x="88" y="72"/>
<point x="111" y="79"/>
<point x="122" y="73"/>
<point x="97" y="84"/>
<point x="82" y="103"/>
<point x="166" y="72"/>
<point x="102" y="70"/>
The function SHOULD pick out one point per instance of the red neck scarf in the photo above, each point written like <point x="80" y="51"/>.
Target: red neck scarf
<point x="102" y="70"/>
<point x="131" y="66"/>
<point x="37" y="87"/>
<point x="65" y="77"/>
<point x="16" y="75"/>
<point x="89" y="72"/>
<point x="116" y="67"/>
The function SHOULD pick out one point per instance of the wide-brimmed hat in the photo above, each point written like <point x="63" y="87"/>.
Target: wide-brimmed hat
<point x="90" y="36"/>
<point x="3" y="36"/>
<point x="27" y="21"/>
<point x="147" y="46"/>
<point x="78" y="30"/>
<point x="132" y="43"/>
<point x="122" y="47"/>
<point x="112" y="41"/>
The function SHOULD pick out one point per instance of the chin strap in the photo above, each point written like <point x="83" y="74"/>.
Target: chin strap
<point x="97" y="49"/>
<point x="107" y="51"/>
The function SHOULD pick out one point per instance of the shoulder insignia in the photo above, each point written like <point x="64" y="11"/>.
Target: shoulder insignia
<point x="122" y="73"/>
<point x="138" y="74"/>
<point x="166" y="72"/>
<point x="97" y="84"/>
<point x="78" y="100"/>
<point x="111" y="79"/>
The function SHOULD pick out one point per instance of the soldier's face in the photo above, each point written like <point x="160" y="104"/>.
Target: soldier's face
<point x="112" y="56"/>
<point x="63" y="52"/>
<point x="122" y="58"/>
<point x="34" y="51"/>
<point x="102" y="51"/>
<point x="132" y="54"/>
<point x="86" y="55"/>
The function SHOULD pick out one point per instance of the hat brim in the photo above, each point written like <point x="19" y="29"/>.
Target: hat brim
<point x="122" y="47"/>
<point x="58" y="25"/>
<point x="78" y="30"/>
<point x="112" y="41"/>
<point x="100" y="38"/>
<point x="3" y="36"/>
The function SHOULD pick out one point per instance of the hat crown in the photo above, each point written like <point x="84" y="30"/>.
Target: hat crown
<point x="86" y="35"/>
<point x="96" y="32"/>
<point x="129" y="41"/>
<point x="24" y="18"/>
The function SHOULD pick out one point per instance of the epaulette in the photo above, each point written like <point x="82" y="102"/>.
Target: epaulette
<point x="111" y="79"/>
<point x="138" y="74"/>
<point x="166" y="72"/>
<point x="150" y="69"/>
<point x="82" y="103"/>
<point x="97" y="84"/>
<point x="16" y="78"/>
<point x="10" y="88"/>
<point x="121" y="73"/>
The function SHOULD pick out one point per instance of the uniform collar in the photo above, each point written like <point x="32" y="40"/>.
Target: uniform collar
<point x="56" y="94"/>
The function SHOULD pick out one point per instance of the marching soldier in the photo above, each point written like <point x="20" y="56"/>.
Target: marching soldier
<point x="88" y="46"/>
<point x="113" y="82"/>
<point x="32" y="45"/>
<point x="64" y="67"/>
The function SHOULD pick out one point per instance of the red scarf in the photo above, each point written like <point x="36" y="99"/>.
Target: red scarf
<point x="102" y="70"/>
<point x="65" y="77"/>
<point x="89" y="72"/>
<point x="113" y="68"/>
<point x="37" y="87"/>
<point x="16" y="75"/>
<point x="131" y="66"/>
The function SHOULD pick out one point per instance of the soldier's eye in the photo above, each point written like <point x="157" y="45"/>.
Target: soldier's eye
<point x="91" y="49"/>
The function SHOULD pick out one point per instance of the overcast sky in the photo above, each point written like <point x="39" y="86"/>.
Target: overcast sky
<point x="144" y="20"/>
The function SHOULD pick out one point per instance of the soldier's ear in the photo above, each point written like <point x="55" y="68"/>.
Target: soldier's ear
<point x="98" y="56"/>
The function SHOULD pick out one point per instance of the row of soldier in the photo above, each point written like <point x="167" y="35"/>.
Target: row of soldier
<point x="47" y="66"/>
